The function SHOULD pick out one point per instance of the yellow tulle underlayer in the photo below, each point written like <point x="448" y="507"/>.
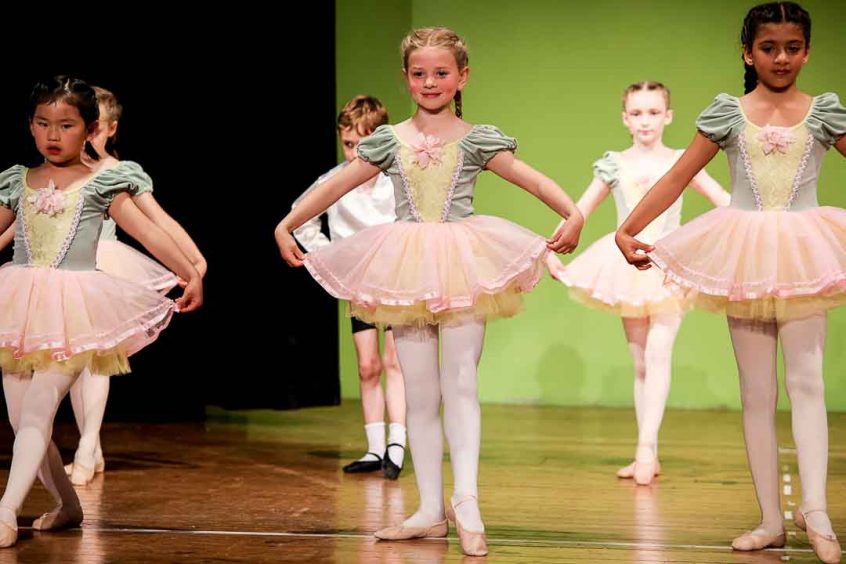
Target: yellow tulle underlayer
<point x="104" y="363"/>
<point x="771" y="309"/>
<point x="622" y="309"/>
<point x="486" y="307"/>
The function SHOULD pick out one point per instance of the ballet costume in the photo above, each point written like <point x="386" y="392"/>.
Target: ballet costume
<point x="436" y="275"/>
<point x="60" y="316"/>
<point x="774" y="262"/>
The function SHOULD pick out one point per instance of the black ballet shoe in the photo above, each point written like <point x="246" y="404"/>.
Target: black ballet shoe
<point x="391" y="470"/>
<point x="361" y="466"/>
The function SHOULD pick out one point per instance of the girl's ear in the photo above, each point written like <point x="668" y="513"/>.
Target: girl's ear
<point x="464" y="76"/>
<point x="747" y="56"/>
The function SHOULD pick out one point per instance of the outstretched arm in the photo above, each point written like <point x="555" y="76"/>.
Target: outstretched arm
<point x="355" y="174"/>
<point x="132" y="220"/>
<point x="660" y="197"/>
<point x="512" y="169"/>
<point x="594" y="194"/>
<point x="151" y="208"/>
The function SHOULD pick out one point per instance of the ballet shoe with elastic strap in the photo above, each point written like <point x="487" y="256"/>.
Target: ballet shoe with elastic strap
<point x="473" y="543"/>
<point x="825" y="547"/>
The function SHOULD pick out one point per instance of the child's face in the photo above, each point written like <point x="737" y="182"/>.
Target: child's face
<point x="106" y="128"/>
<point x="349" y="138"/>
<point x="59" y="132"/>
<point x="433" y="77"/>
<point x="778" y="53"/>
<point x="646" y="115"/>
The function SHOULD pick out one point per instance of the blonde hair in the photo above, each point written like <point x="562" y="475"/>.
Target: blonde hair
<point x="437" y="37"/>
<point x="113" y="113"/>
<point x="646" y="85"/>
<point x="109" y="101"/>
<point x="364" y="114"/>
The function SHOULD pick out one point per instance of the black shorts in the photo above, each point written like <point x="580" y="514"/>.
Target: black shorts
<point x="359" y="325"/>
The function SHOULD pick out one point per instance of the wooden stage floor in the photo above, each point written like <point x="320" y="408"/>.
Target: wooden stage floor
<point x="267" y="487"/>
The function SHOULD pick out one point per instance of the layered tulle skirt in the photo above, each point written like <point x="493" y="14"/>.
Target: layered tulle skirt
<point x="601" y="278"/>
<point x="409" y="273"/>
<point x="766" y="265"/>
<point x="68" y="320"/>
<point x="113" y="257"/>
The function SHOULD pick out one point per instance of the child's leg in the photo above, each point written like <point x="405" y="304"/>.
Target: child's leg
<point x="658" y="358"/>
<point x="755" y="351"/>
<point x="417" y="349"/>
<point x="32" y="404"/>
<point x="394" y="399"/>
<point x="68" y="512"/>
<point x="78" y="403"/>
<point x="637" y="330"/>
<point x="462" y="349"/>
<point x="803" y="345"/>
<point x="366" y="340"/>
<point x="95" y="394"/>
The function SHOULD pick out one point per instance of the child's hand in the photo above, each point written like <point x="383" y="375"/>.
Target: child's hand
<point x="192" y="296"/>
<point x="288" y="247"/>
<point x="634" y="250"/>
<point x="566" y="236"/>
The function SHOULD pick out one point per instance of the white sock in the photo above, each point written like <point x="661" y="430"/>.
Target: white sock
<point x="375" y="441"/>
<point x="396" y="436"/>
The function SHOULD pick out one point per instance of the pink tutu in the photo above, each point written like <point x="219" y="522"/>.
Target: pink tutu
<point x="601" y="278"/>
<point x="117" y="259"/>
<point x="410" y="273"/>
<point x="75" y="319"/>
<point x="760" y="264"/>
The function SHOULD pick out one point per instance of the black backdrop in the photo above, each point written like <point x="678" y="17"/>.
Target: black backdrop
<point x="232" y="119"/>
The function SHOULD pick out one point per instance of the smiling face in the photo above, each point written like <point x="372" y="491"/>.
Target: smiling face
<point x="433" y="77"/>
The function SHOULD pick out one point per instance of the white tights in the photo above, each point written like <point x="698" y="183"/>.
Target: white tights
<point x="453" y="382"/>
<point x="803" y="345"/>
<point x="89" y="395"/>
<point x="651" y="342"/>
<point x="32" y="403"/>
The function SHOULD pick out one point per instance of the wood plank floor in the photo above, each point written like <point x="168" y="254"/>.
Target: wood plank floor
<point x="267" y="487"/>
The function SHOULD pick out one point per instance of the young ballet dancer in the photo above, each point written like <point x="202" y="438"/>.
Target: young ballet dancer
<point x="774" y="260"/>
<point x="438" y="273"/>
<point x="599" y="277"/>
<point x="60" y="314"/>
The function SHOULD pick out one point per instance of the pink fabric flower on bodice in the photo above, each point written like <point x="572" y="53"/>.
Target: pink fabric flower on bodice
<point x="773" y="138"/>
<point x="48" y="200"/>
<point x="427" y="149"/>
